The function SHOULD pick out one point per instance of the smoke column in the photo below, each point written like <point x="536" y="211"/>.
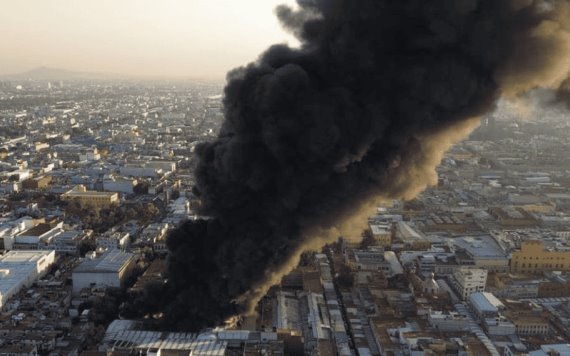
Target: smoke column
<point x="363" y="110"/>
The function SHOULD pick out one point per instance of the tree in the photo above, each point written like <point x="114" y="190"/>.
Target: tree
<point x="86" y="245"/>
<point x="106" y="309"/>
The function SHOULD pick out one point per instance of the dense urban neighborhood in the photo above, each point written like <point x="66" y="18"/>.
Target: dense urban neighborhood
<point x="94" y="175"/>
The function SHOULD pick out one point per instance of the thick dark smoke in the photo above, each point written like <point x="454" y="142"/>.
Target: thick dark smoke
<point x="362" y="110"/>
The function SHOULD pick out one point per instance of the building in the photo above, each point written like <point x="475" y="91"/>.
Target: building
<point x="499" y="326"/>
<point x="531" y="325"/>
<point x="37" y="183"/>
<point x="482" y="251"/>
<point x="554" y="287"/>
<point x="448" y="321"/>
<point x="410" y="238"/>
<point x="533" y="257"/>
<point x="513" y="217"/>
<point x="165" y="166"/>
<point x="507" y="285"/>
<point x="551" y="349"/>
<point x="121" y="336"/>
<point x="135" y="170"/>
<point x="485" y="305"/>
<point x="109" y="270"/>
<point x="371" y="260"/>
<point x="68" y="242"/>
<point x="467" y="281"/>
<point x="19" y="269"/>
<point x="119" y="185"/>
<point x="40" y="235"/>
<point x="529" y="318"/>
<point x="425" y="264"/>
<point x="382" y="233"/>
<point x="91" y="199"/>
<point x="128" y="337"/>
<point x="114" y="240"/>
<point x="90" y="154"/>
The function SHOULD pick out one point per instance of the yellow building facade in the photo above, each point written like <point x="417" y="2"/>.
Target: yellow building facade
<point x="91" y="199"/>
<point x="534" y="258"/>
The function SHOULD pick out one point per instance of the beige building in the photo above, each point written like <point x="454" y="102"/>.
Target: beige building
<point x="531" y="325"/>
<point x="528" y="318"/>
<point x="91" y="199"/>
<point x="410" y="238"/>
<point x="469" y="280"/>
<point x="37" y="183"/>
<point x="382" y="233"/>
<point x="533" y="257"/>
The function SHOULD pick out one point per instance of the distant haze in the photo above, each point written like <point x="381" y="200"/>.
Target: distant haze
<point x="166" y="38"/>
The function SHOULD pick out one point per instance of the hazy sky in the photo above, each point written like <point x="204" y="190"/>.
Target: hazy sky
<point x="182" y="38"/>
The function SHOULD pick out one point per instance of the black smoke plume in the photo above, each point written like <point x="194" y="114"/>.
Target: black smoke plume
<point x="363" y="109"/>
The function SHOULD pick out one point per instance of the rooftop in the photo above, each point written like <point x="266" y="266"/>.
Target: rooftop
<point x="480" y="246"/>
<point x="21" y="257"/>
<point x="112" y="261"/>
<point x="17" y="267"/>
<point x="38" y="230"/>
<point x="486" y="302"/>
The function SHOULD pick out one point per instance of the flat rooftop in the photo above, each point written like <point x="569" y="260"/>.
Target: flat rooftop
<point x="16" y="267"/>
<point x="480" y="246"/>
<point x="111" y="262"/>
<point x="21" y="257"/>
<point x="37" y="230"/>
<point x="486" y="302"/>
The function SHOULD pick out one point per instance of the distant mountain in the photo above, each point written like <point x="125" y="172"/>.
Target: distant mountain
<point x="55" y="74"/>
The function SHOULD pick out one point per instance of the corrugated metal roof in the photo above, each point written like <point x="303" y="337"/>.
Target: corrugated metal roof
<point x="485" y="302"/>
<point x="144" y="340"/>
<point x="111" y="261"/>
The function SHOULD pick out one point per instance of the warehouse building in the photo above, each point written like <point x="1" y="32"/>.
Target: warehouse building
<point x="109" y="270"/>
<point x="19" y="269"/>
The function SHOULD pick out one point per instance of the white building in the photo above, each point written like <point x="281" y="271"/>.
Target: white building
<point x="448" y="321"/>
<point x="90" y="155"/>
<point x="109" y="270"/>
<point x="155" y="232"/>
<point x="19" y="269"/>
<point x="9" y="230"/>
<point x="115" y="240"/>
<point x="131" y="170"/>
<point x="467" y="281"/>
<point x="42" y="233"/>
<point x="165" y="166"/>
<point x="119" y="185"/>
